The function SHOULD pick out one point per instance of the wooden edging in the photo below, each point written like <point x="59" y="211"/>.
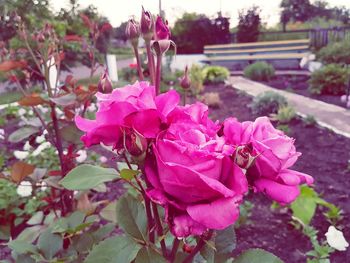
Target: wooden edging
<point x="301" y="41"/>
<point x="260" y="56"/>
<point x="292" y="48"/>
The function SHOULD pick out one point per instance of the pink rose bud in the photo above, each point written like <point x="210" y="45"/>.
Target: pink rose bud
<point x="134" y="142"/>
<point x="105" y="84"/>
<point x="185" y="80"/>
<point x="244" y="156"/>
<point x="146" y="23"/>
<point x="161" y="29"/>
<point x="132" y="30"/>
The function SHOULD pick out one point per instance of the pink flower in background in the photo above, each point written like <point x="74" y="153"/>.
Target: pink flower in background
<point x="275" y="154"/>
<point x="192" y="176"/>
<point x="131" y="107"/>
<point x="161" y="29"/>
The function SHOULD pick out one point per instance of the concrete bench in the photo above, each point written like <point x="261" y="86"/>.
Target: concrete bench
<point x="284" y="55"/>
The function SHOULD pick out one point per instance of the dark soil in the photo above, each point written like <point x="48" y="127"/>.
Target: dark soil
<point x="299" y="85"/>
<point x="325" y="157"/>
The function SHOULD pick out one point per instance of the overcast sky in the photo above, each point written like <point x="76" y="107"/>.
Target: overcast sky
<point x="119" y="11"/>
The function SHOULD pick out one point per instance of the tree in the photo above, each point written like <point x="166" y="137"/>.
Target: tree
<point x="296" y="10"/>
<point x="120" y="32"/>
<point x="193" y="31"/>
<point x="249" y="24"/>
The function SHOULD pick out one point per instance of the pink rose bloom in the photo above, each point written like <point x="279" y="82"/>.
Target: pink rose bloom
<point x="161" y="29"/>
<point x="275" y="154"/>
<point x="192" y="176"/>
<point x="131" y="107"/>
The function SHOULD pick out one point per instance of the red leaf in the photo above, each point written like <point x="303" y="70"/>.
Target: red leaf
<point x="72" y="38"/>
<point x="31" y="100"/>
<point x="86" y="20"/>
<point x="12" y="64"/>
<point x="21" y="170"/>
<point x="105" y="27"/>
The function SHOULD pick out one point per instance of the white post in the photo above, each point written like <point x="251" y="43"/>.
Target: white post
<point x="112" y="67"/>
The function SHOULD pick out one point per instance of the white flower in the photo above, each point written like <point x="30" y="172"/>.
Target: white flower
<point x="335" y="239"/>
<point x="21" y="112"/>
<point x="40" y="148"/>
<point x="26" y="146"/>
<point x="20" y="155"/>
<point x="103" y="159"/>
<point x="40" y="139"/>
<point x="2" y="133"/>
<point x="25" y="189"/>
<point x="92" y="108"/>
<point x="82" y="156"/>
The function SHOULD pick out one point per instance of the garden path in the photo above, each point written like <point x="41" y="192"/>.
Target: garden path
<point x="327" y="115"/>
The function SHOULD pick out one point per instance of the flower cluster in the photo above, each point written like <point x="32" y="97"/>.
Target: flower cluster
<point x="197" y="169"/>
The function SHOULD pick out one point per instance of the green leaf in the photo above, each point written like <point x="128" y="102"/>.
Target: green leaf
<point x="257" y="256"/>
<point x="75" y="219"/>
<point x="131" y="217"/>
<point x="114" y="250"/>
<point x="50" y="244"/>
<point x="10" y="97"/>
<point x="220" y="247"/>
<point x="128" y="174"/>
<point x="65" y="100"/>
<point x="22" y="133"/>
<point x="71" y="133"/>
<point x="87" y="176"/>
<point x="149" y="256"/>
<point x="304" y="207"/>
<point x="22" y="247"/>
<point x="110" y="212"/>
<point x="103" y="231"/>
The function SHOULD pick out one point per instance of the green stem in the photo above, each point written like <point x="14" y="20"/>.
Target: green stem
<point x="184" y="96"/>
<point x="138" y="61"/>
<point x="150" y="61"/>
<point x="159" y="229"/>
<point x="158" y="73"/>
<point x="172" y="255"/>
<point x="200" y="245"/>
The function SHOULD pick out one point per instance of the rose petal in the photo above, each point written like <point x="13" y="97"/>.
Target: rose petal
<point x="283" y="194"/>
<point x="184" y="226"/>
<point x="216" y="215"/>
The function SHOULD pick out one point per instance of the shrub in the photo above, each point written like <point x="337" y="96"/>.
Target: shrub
<point x="197" y="79"/>
<point x="330" y="79"/>
<point x="284" y="115"/>
<point x="259" y="71"/>
<point x="215" y="74"/>
<point x="212" y="99"/>
<point x="337" y="52"/>
<point x="267" y="102"/>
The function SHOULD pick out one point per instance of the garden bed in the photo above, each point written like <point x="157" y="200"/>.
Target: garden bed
<point x="299" y="85"/>
<point x="325" y="157"/>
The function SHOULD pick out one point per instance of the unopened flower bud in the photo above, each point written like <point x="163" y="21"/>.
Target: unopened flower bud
<point x="161" y="29"/>
<point x="185" y="80"/>
<point x="105" y="84"/>
<point x="135" y="143"/>
<point x="243" y="156"/>
<point x="147" y="24"/>
<point x="133" y="31"/>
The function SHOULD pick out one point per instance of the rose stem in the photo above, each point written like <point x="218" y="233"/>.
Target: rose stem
<point x="198" y="248"/>
<point x="184" y="96"/>
<point x="138" y="61"/>
<point x="159" y="229"/>
<point x="147" y="203"/>
<point x="150" y="60"/>
<point x="176" y="244"/>
<point x="158" y="73"/>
